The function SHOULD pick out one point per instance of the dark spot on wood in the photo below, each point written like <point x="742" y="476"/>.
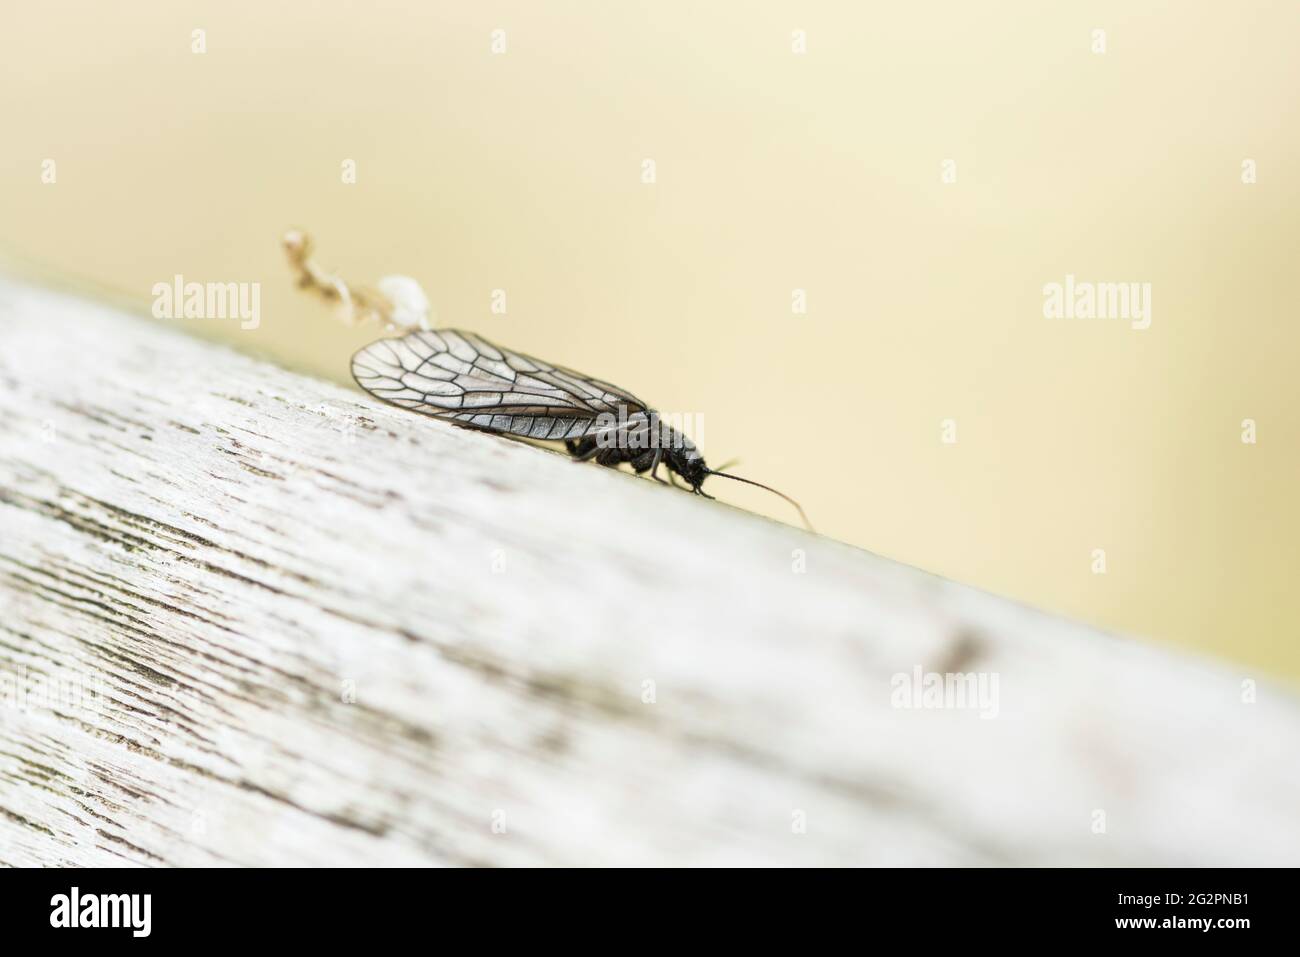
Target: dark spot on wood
<point x="966" y="649"/>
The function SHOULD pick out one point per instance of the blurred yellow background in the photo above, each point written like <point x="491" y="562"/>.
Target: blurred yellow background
<point x="775" y="171"/>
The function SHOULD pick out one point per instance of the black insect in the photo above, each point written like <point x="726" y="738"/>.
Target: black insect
<point x="463" y="378"/>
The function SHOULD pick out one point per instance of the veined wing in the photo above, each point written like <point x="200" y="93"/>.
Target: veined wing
<point x="464" y="378"/>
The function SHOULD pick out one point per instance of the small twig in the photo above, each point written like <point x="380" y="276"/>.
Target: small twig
<point x="360" y="304"/>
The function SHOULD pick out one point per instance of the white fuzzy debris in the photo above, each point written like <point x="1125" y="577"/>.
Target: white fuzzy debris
<point x="410" y="304"/>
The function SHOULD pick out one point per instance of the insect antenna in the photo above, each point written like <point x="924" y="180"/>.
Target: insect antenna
<point x="737" y="478"/>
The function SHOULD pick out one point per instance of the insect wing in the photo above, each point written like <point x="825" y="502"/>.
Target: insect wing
<point x="463" y="378"/>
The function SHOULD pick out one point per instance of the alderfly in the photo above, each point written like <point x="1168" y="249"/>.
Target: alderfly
<point x="462" y="378"/>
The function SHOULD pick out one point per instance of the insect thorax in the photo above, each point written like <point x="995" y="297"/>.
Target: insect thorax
<point x="642" y="430"/>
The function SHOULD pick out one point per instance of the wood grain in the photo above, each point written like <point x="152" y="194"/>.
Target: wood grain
<point x="251" y="618"/>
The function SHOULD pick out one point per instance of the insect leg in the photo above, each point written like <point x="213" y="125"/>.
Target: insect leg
<point x="642" y="462"/>
<point x="582" y="449"/>
<point x="654" y="469"/>
<point x="647" y="461"/>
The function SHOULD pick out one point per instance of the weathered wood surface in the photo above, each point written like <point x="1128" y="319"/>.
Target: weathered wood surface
<point x="205" y="559"/>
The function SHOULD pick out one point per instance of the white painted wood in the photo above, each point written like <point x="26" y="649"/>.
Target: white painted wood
<point x="218" y="551"/>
